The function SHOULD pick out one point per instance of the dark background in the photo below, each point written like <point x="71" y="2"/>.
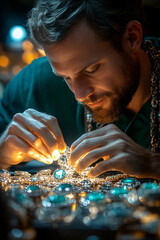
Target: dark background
<point x="14" y="12"/>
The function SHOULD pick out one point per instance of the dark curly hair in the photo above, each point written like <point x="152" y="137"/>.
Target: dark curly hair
<point x="50" y="20"/>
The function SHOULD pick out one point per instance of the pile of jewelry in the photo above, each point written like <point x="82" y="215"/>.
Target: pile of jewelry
<point x="66" y="197"/>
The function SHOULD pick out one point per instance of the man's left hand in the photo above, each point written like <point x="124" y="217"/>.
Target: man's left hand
<point x="120" y="153"/>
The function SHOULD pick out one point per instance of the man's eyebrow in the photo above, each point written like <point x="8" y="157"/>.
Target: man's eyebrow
<point x="89" y="65"/>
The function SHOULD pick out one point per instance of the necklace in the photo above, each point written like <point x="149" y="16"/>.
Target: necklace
<point x="154" y="57"/>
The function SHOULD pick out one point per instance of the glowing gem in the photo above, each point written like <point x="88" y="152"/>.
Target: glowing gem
<point x="119" y="191"/>
<point x="59" y="174"/>
<point x="128" y="180"/>
<point x="57" y="199"/>
<point x="95" y="196"/>
<point x="32" y="188"/>
<point x="65" y="187"/>
<point x="149" y="185"/>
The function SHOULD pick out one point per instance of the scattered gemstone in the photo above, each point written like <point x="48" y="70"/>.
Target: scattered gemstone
<point x="32" y="188"/>
<point x="95" y="196"/>
<point x="65" y="187"/>
<point x="57" y="199"/>
<point x="119" y="191"/>
<point x="59" y="174"/>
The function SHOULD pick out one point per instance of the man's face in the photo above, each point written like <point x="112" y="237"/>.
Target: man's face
<point x="102" y="78"/>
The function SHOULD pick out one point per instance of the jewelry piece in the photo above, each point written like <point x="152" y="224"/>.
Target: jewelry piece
<point x="59" y="174"/>
<point x="154" y="56"/>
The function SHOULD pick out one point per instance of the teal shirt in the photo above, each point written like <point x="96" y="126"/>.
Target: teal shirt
<point x="37" y="87"/>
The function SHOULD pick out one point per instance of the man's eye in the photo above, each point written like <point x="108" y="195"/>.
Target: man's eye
<point x="92" y="69"/>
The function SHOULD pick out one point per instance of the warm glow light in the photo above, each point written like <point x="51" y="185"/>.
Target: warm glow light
<point x="70" y="196"/>
<point x="29" y="56"/>
<point x="4" y="61"/>
<point x="16" y="69"/>
<point x="74" y="207"/>
<point x="20" y="156"/>
<point x="56" y="155"/>
<point x="42" y="52"/>
<point x="37" y="143"/>
<point x="27" y="45"/>
<point x="80" y="159"/>
<point x="106" y="157"/>
<point x="34" y="154"/>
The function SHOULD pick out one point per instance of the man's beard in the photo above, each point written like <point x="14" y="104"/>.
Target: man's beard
<point x="122" y="97"/>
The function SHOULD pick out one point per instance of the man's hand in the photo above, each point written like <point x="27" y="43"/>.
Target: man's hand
<point x="30" y="135"/>
<point x="120" y="153"/>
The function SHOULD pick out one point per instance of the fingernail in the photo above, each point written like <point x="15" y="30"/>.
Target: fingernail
<point x="62" y="148"/>
<point x="55" y="155"/>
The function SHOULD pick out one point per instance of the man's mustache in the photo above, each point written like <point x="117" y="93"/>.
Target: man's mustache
<point x="93" y="98"/>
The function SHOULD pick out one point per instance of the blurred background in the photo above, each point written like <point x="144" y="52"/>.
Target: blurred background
<point x="16" y="51"/>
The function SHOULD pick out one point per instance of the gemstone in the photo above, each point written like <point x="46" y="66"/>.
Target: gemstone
<point x="32" y="188"/>
<point x="149" y="185"/>
<point x="95" y="196"/>
<point x="105" y="187"/>
<point x="119" y="191"/>
<point x="59" y="174"/>
<point x="129" y="180"/>
<point x="57" y="199"/>
<point x="65" y="187"/>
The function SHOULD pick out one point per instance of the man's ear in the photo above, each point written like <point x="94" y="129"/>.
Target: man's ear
<point x="132" y="37"/>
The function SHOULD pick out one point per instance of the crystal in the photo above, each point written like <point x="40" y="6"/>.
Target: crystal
<point x="65" y="187"/>
<point x="95" y="196"/>
<point x="128" y="180"/>
<point x="32" y="188"/>
<point x="119" y="191"/>
<point x="57" y="199"/>
<point x="59" y="174"/>
<point x="149" y="185"/>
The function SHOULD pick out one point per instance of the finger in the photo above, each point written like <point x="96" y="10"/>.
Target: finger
<point x="102" y="167"/>
<point x="115" y="163"/>
<point x="38" y="129"/>
<point x="52" y="124"/>
<point x="110" y="146"/>
<point x="31" y="139"/>
<point x="84" y="137"/>
<point x="90" y="158"/>
<point x="110" y="131"/>
<point x="84" y="148"/>
<point x="21" y="148"/>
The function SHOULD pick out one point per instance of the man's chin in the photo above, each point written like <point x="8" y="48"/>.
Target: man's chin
<point x="103" y="116"/>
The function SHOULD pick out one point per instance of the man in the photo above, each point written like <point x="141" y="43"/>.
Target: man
<point x="97" y="47"/>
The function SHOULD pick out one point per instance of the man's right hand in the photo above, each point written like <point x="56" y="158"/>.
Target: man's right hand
<point x="31" y="135"/>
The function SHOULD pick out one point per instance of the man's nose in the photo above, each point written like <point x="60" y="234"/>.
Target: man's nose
<point x="82" y="90"/>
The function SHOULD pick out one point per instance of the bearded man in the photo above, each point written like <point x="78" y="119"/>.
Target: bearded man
<point x="111" y="108"/>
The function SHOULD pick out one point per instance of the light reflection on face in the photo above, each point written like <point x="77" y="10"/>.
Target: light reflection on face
<point x="102" y="78"/>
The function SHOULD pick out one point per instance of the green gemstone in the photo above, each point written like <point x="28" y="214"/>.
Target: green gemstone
<point x="59" y="174"/>
<point x="105" y="187"/>
<point x="66" y="187"/>
<point x="119" y="191"/>
<point x="95" y="196"/>
<point x="128" y="180"/>
<point x="150" y="185"/>
<point x="32" y="188"/>
<point x="57" y="199"/>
